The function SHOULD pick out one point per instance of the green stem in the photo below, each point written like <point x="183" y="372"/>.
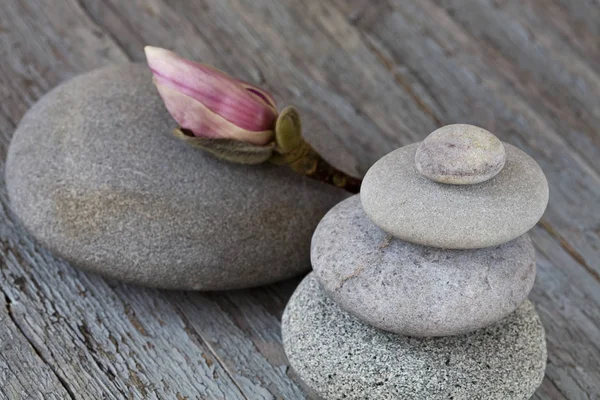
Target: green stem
<point x="293" y="150"/>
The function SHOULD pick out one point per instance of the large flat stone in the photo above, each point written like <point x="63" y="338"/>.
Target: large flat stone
<point x="412" y="289"/>
<point x="341" y="357"/>
<point x="95" y="174"/>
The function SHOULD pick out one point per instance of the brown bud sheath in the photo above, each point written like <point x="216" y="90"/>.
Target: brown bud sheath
<point x="228" y="149"/>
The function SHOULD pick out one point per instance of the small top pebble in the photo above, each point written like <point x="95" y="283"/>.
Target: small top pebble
<point x="460" y="154"/>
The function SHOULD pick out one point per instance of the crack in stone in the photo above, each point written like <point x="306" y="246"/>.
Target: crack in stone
<point x="386" y="242"/>
<point x="353" y="275"/>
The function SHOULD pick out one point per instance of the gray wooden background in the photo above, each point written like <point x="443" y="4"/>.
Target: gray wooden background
<point x="368" y="76"/>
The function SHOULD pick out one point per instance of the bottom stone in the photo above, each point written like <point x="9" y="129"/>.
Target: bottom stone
<point x="341" y="357"/>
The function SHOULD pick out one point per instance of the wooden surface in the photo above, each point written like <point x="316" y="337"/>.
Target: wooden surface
<point x="368" y="76"/>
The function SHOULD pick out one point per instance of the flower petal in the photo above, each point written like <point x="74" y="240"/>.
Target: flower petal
<point x="262" y="95"/>
<point x="193" y="115"/>
<point x="220" y="93"/>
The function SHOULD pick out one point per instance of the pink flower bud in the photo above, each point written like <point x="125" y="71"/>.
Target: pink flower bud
<point x="210" y="103"/>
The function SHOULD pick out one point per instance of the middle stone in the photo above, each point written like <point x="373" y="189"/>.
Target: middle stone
<point x="412" y="289"/>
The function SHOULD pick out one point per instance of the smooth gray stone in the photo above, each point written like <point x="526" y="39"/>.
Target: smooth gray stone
<point x="341" y="357"/>
<point x="95" y="174"/>
<point x="460" y="154"/>
<point x="412" y="289"/>
<point x="414" y="208"/>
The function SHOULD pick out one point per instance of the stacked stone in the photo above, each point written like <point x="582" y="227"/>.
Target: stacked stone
<point x="420" y="283"/>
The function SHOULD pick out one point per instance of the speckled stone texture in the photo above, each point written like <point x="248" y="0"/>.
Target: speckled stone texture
<point x="460" y="154"/>
<point x="414" y="208"/>
<point x="343" y="358"/>
<point x="96" y="175"/>
<point x="412" y="289"/>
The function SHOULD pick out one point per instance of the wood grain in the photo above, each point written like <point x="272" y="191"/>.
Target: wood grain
<point x="368" y="76"/>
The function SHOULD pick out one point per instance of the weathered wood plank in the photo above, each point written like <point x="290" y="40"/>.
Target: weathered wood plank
<point x="545" y="70"/>
<point x="108" y="342"/>
<point x="569" y="304"/>
<point x="573" y="23"/>
<point x="368" y="76"/>
<point x="43" y="43"/>
<point x="583" y="14"/>
<point x="23" y="374"/>
<point x="246" y="337"/>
